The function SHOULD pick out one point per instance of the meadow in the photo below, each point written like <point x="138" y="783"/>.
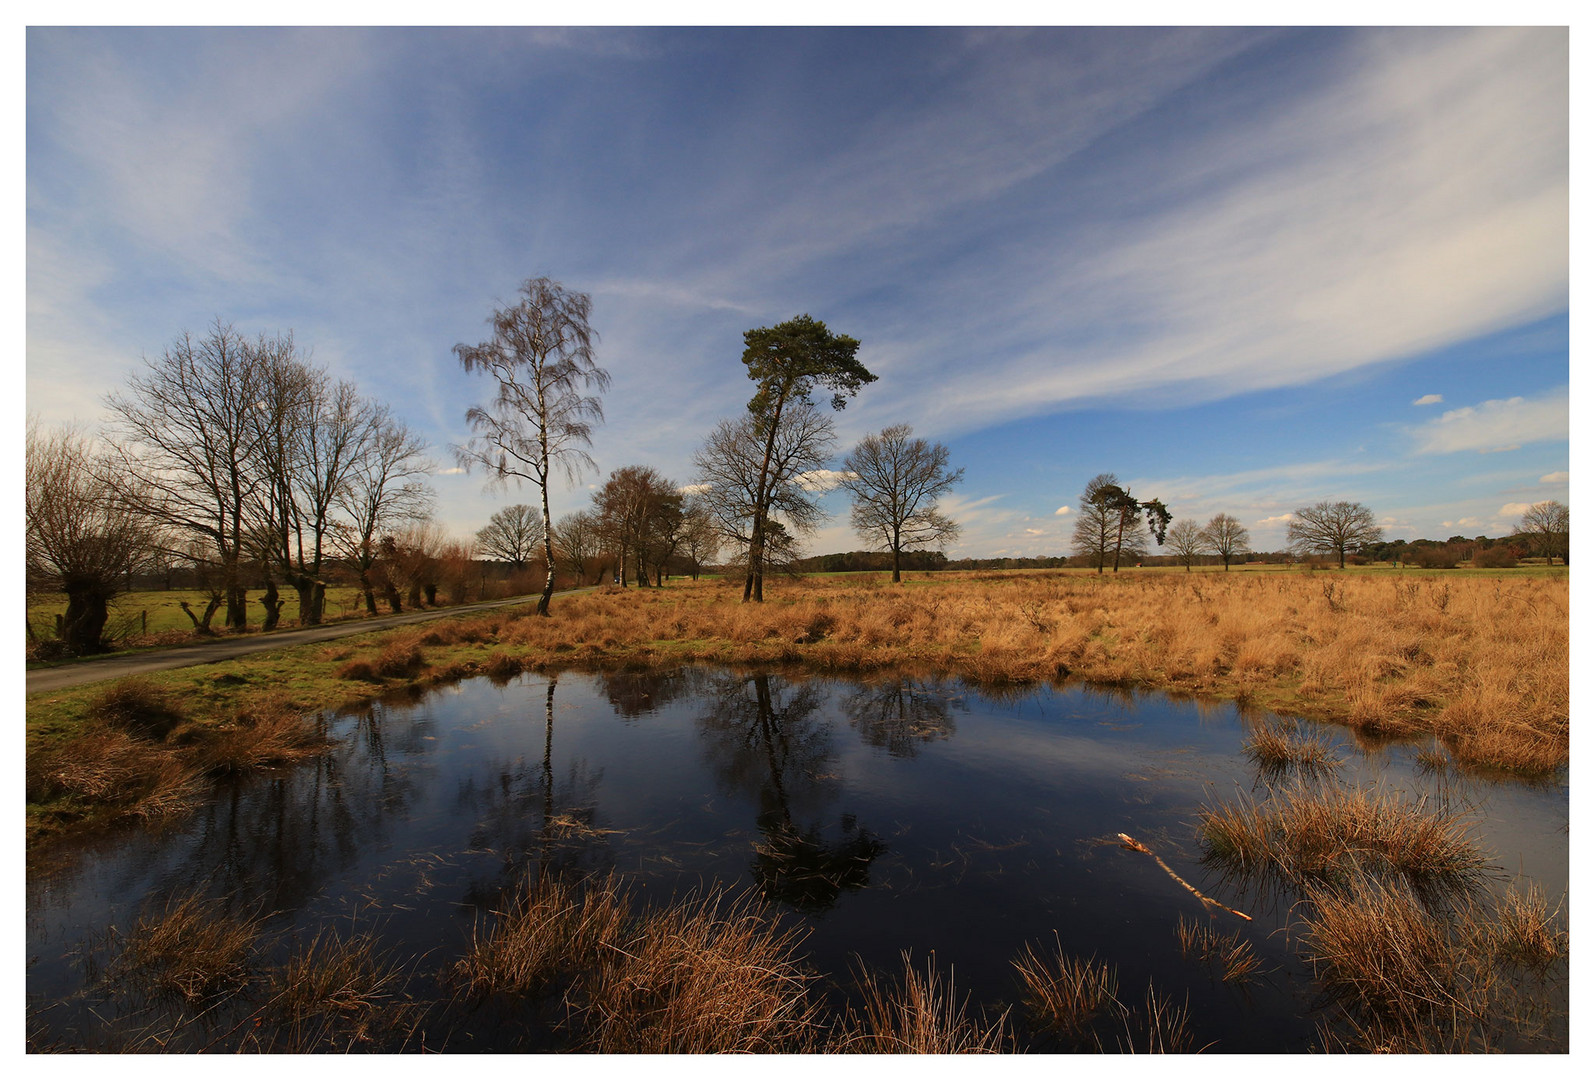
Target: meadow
<point x="1395" y="914"/>
<point x="1476" y="664"/>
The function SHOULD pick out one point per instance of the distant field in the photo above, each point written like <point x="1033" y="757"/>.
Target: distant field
<point x="158" y="612"/>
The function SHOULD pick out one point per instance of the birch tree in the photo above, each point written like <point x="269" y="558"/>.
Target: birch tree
<point x="541" y="357"/>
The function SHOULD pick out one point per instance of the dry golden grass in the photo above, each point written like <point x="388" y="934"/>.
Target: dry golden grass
<point x="1235" y="959"/>
<point x="546" y="930"/>
<point x="336" y="994"/>
<point x="1280" y="749"/>
<point x="917" y="1015"/>
<point x="195" y="947"/>
<point x="1062" y="992"/>
<point x="1525" y="932"/>
<point x="1399" y="970"/>
<point x="701" y="977"/>
<point x="1158" y="1027"/>
<point x="1481" y="662"/>
<point x="1320" y="833"/>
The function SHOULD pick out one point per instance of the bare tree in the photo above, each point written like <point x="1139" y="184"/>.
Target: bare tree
<point x="1333" y="528"/>
<point x="1548" y="525"/>
<point x="639" y="515"/>
<point x="541" y="356"/>
<point x="81" y="539"/>
<point x="188" y="440"/>
<point x="512" y="535"/>
<point x="700" y="540"/>
<point x="1225" y="537"/>
<point x="895" y="480"/>
<point x="383" y="493"/>
<point x="314" y="433"/>
<point x="786" y="362"/>
<point x="577" y="542"/>
<point x="753" y="482"/>
<point x="1098" y="522"/>
<point x="1187" y="542"/>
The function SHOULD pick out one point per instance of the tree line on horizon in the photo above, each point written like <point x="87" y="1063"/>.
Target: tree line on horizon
<point x="247" y="464"/>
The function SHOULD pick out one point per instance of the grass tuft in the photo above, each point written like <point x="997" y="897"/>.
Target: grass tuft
<point x="194" y="948"/>
<point x="1063" y="993"/>
<point x="918" y="1015"/>
<point x="1306" y="834"/>
<point x="701" y="977"/>
<point x="138" y="707"/>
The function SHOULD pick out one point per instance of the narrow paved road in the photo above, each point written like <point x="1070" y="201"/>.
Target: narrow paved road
<point x="209" y="652"/>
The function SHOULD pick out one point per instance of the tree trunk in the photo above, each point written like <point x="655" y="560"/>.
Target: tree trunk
<point x="392" y="596"/>
<point x="86" y="615"/>
<point x="274" y="606"/>
<point x="308" y="589"/>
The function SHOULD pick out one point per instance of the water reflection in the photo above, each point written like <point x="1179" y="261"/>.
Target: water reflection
<point x="767" y="740"/>
<point x="900" y="715"/>
<point x="993" y="800"/>
<point x="535" y="825"/>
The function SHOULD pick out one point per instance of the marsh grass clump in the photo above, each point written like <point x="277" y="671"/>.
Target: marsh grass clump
<point x="1158" y="1026"/>
<point x="194" y="948"/>
<point x="1064" y="993"/>
<point x="266" y="734"/>
<point x="138" y="707"/>
<point x="918" y="1015"/>
<point x="549" y="929"/>
<point x="1525" y="932"/>
<point x="701" y="977"/>
<point x="113" y="774"/>
<point x="1322" y="833"/>
<point x="400" y="660"/>
<point x="338" y="993"/>
<point x="1397" y="967"/>
<point x="1281" y="748"/>
<point x="1233" y="956"/>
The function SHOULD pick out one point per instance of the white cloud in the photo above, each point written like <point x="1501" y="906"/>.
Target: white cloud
<point x="1429" y="399"/>
<point x="1060" y="511"/>
<point x="1554" y="478"/>
<point x="1411" y="205"/>
<point x="1463" y="523"/>
<point x="1496" y="425"/>
<point x="820" y="480"/>
<point x="1513" y="510"/>
<point x="454" y="470"/>
<point x="693" y="489"/>
<point x="1277" y="519"/>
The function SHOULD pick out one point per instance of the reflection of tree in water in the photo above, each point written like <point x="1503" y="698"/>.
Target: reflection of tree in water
<point x="538" y="825"/>
<point x="899" y="715"/>
<point x="767" y="740"/>
<point x="274" y="841"/>
<point x="638" y="693"/>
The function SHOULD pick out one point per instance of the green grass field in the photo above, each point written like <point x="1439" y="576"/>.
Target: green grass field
<point x="158" y="611"/>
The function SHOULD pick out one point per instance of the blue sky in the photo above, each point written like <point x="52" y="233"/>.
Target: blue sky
<point x="1243" y="269"/>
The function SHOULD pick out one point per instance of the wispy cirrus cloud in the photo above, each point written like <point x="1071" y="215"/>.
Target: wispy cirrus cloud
<point x="1375" y="219"/>
<point x="1497" y="425"/>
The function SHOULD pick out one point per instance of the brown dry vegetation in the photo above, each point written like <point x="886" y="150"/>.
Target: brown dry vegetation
<point x="1478" y="663"/>
<point x="1312" y="833"/>
<point x="1399" y="921"/>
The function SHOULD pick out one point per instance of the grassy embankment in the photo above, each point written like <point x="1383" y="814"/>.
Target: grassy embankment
<point x="1479" y="663"/>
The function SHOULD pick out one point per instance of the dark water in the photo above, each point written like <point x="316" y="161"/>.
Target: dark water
<point x="886" y="816"/>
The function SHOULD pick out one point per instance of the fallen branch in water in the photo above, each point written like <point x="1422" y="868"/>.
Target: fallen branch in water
<point x="1136" y="845"/>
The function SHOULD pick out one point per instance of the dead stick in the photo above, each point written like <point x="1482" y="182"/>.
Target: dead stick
<point x="1135" y="845"/>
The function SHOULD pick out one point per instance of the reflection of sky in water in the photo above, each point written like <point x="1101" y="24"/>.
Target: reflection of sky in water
<point x="892" y="816"/>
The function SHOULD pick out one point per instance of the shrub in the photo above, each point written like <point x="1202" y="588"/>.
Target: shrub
<point x="137" y="706"/>
<point x="1499" y="557"/>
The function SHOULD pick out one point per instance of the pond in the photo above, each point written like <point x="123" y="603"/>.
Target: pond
<point x="900" y="814"/>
